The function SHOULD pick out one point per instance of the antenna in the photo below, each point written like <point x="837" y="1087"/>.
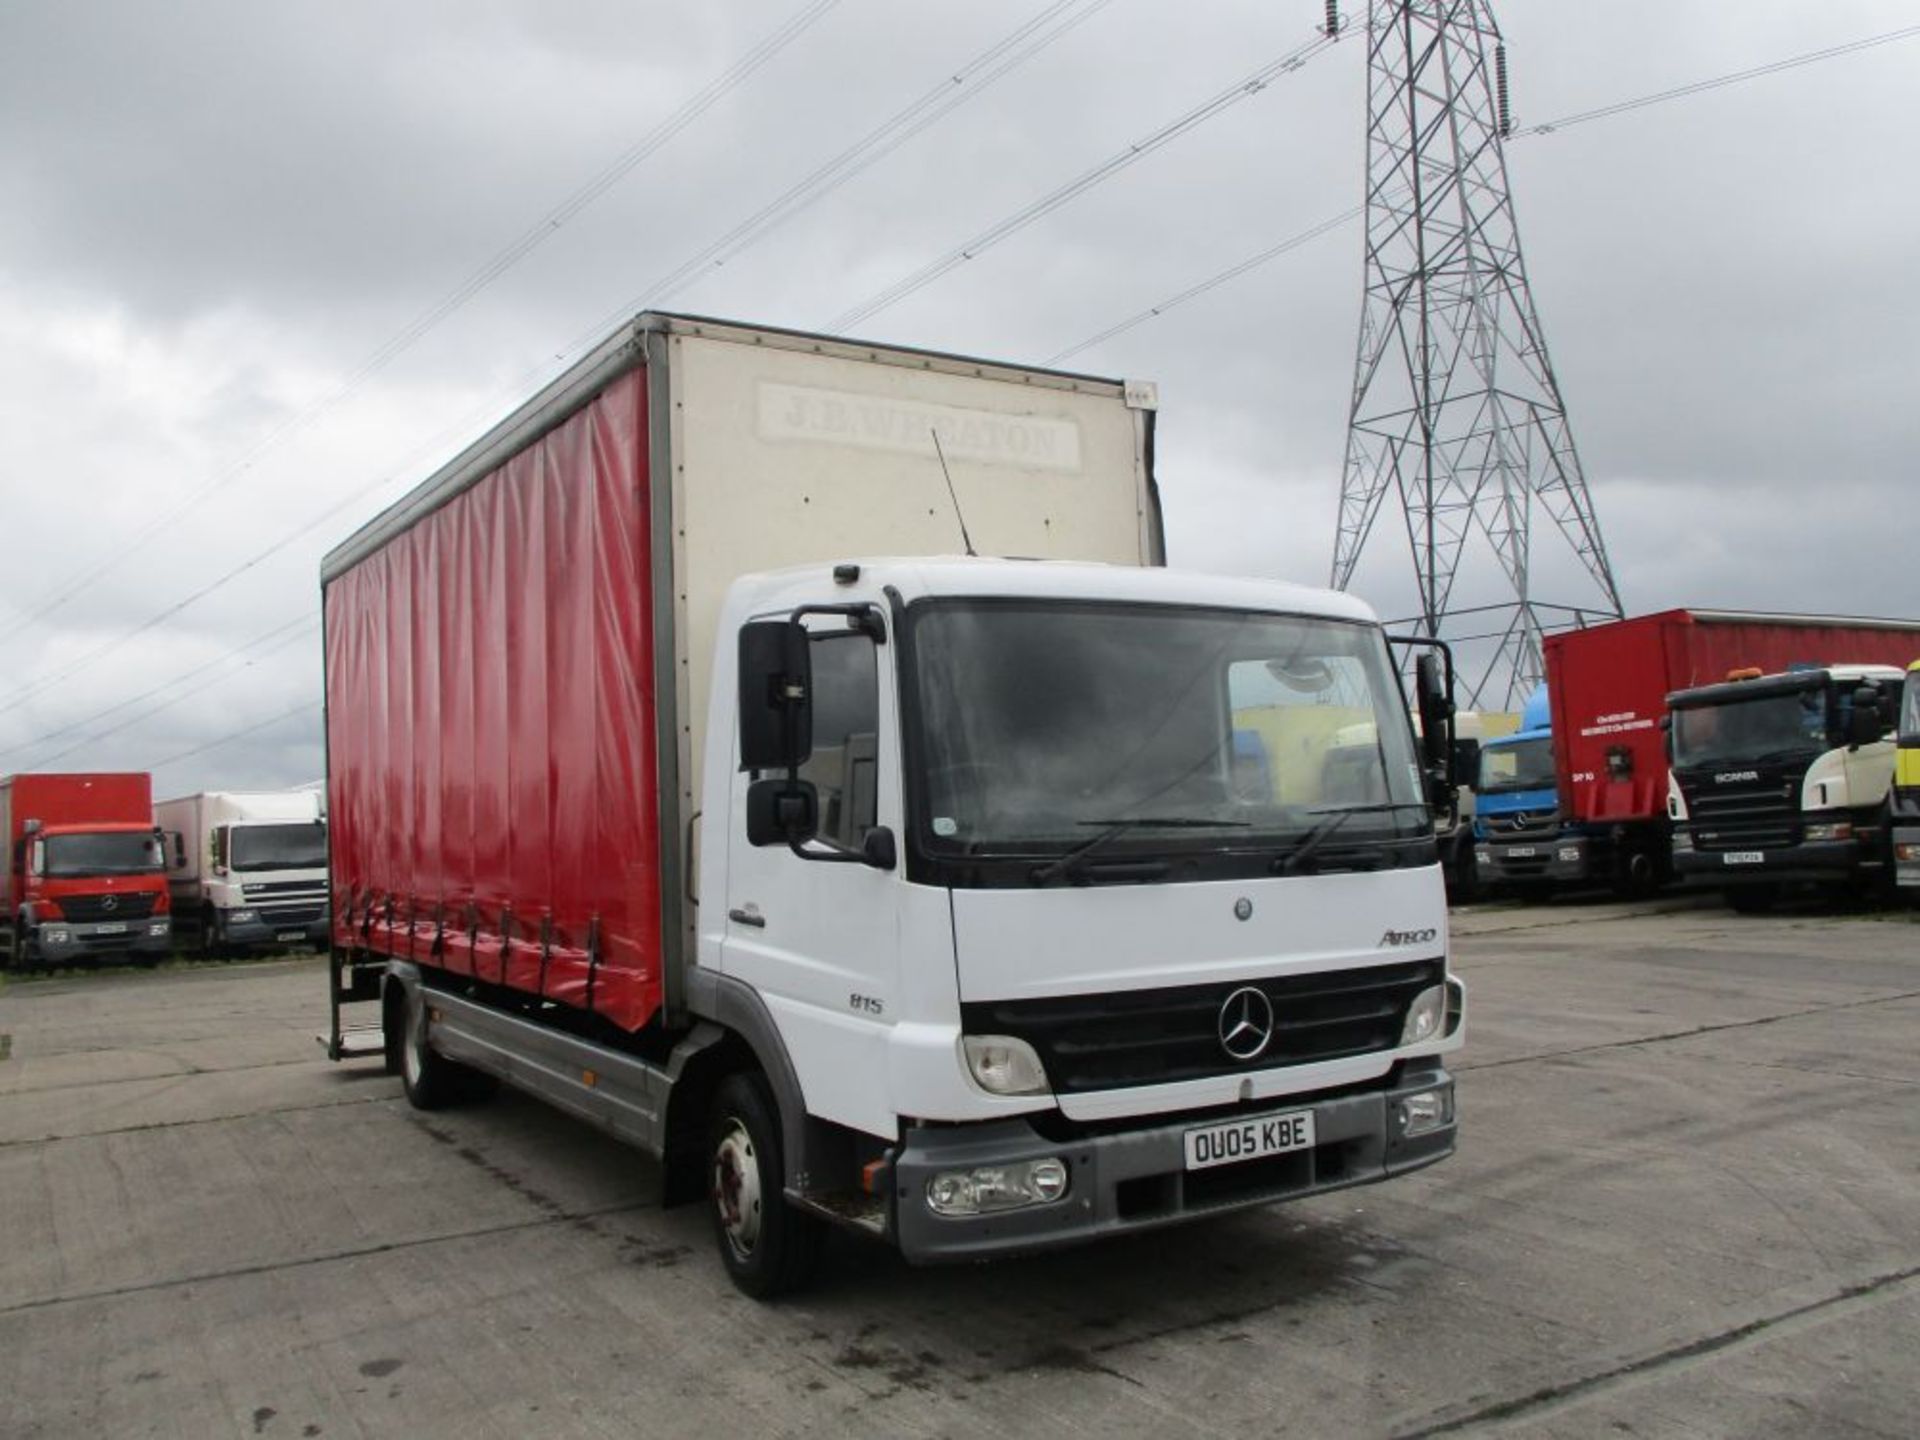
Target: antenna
<point x="965" y="538"/>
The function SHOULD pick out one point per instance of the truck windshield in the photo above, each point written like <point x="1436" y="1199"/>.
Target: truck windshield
<point x="279" y="847"/>
<point x="1043" y="723"/>
<point x="110" y="853"/>
<point x="1516" y="765"/>
<point x="1750" y="729"/>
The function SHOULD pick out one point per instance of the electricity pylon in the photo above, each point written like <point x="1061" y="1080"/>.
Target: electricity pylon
<point x="1456" y="411"/>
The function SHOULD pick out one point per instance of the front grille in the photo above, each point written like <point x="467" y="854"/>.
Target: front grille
<point x="251" y="888"/>
<point x="285" y="917"/>
<point x="1745" y="817"/>
<point x="85" y="909"/>
<point x="1154" y="1037"/>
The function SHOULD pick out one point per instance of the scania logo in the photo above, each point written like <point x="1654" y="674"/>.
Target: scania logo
<point x="1408" y="937"/>
<point x="1727" y="777"/>
<point x="1246" y="1023"/>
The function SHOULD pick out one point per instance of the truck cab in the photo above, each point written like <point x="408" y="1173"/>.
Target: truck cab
<point x="1516" y="819"/>
<point x="1906" y="786"/>
<point x="1784" y="779"/>
<point x="1031" y="917"/>
<point x="84" y="877"/>
<point x="247" y="870"/>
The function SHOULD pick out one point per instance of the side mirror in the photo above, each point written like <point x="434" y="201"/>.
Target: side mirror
<point x="1436" y="712"/>
<point x="1466" y="761"/>
<point x="782" y="812"/>
<point x="776" y="695"/>
<point x="1866" y="724"/>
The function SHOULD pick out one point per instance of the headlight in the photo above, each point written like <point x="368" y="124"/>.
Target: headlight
<point x="1682" y="840"/>
<point x="1424" y="1111"/>
<point x="242" y="917"/>
<point x="1836" y="830"/>
<point x="997" y="1187"/>
<point x="1426" y="1017"/>
<point x="56" y="937"/>
<point x="1569" y="853"/>
<point x="158" y="927"/>
<point x="1002" y="1065"/>
<point x="1481" y="857"/>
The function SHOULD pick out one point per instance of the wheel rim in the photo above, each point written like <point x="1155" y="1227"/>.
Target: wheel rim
<point x="410" y="1053"/>
<point x="736" y="1189"/>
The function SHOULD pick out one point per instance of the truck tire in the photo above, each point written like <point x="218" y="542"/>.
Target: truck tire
<point x="208" y="947"/>
<point x="769" y="1248"/>
<point x="1636" y="875"/>
<point x="432" y="1081"/>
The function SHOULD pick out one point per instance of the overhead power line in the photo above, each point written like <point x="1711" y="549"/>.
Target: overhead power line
<point x="84" y="741"/>
<point x="1550" y="127"/>
<point x="304" y="708"/>
<point x="996" y="61"/>
<point x="509" y="256"/>
<point x="969" y="250"/>
<point x="307" y="623"/>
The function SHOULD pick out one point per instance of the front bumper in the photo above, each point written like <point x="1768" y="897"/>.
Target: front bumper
<point x="63" y="941"/>
<point x="265" y="929"/>
<point x="1518" y="862"/>
<point x="1822" y="862"/>
<point x="1138" y="1180"/>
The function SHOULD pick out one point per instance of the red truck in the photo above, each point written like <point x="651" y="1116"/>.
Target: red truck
<point x="1608" y="688"/>
<point x="85" y="876"/>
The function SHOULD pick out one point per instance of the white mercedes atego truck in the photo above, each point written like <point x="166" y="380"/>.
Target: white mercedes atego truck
<point x="680" y="774"/>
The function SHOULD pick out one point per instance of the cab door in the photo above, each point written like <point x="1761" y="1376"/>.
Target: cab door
<point x="818" y="938"/>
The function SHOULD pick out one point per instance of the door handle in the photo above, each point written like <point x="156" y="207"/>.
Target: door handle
<point x="750" y="915"/>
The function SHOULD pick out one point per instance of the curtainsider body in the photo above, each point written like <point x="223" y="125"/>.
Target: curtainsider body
<point x="681" y="772"/>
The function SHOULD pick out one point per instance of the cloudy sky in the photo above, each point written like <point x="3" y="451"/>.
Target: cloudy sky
<point x="263" y="264"/>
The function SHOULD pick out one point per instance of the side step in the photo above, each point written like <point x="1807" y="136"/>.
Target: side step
<point x="357" y="1043"/>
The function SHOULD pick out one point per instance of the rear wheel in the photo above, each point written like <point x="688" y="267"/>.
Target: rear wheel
<point x="1635" y="875"/>
<point x="768" y="1247"/>
<point x="1753" y="899"/>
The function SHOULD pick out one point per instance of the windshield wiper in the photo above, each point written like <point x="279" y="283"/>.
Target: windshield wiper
<point x="1115" y="828"/>
<point x="1336" y="817"/>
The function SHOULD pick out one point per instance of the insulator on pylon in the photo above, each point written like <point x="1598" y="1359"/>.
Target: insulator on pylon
<point x="1500" y="90"/>
<point x="1333" y="17"/>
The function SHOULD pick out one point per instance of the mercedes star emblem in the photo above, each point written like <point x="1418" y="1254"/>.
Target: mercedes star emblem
<point x="1243" y="909"/>
<point x="1246" y="1023"/>
<point x="110" y="903"/>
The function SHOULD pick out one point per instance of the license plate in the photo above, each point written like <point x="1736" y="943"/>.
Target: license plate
<point x="291" y="935"/>
<point x="114" y="929"/>
<point x="1743" y="857"/>
<point x="1522" y="852"/>
<point x="1253" y="1139"/>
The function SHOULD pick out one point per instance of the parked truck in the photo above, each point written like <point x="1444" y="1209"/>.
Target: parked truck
<point x="1786" y="779"/>
<point x="1608" y="820"/>
<point x="1906" y="786"/>
<point x="1517" y="825"/>
<point x="246" y="870"/>
<point x="972" y="905"/>
<point x="84" y="875"/>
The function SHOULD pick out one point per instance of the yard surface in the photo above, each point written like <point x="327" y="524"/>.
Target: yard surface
<point x="1686" y="1203"/>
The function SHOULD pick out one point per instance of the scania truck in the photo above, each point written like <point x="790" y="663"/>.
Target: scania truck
<point x="1906" y="787"/>
<point x="84" y="874"/>
<point x="1783" y="779"/>
<point x="682" y="774"/>
<point x="247" y="870"/>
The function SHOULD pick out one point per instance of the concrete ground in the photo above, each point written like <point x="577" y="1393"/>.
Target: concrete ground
<point x="1685" y="1204"/>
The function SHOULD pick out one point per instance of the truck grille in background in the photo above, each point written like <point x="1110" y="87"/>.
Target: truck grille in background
<point x="303" y="888"/>
<point x="1745" y="817"/>
<point x="1154" y="1037"/>
<point x="85" y="909"/>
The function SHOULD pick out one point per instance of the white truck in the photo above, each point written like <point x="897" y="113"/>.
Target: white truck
<point x="247" y="870"/>
<point x="972" y="905"/>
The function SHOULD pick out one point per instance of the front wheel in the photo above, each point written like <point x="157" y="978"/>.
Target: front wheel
<point x="768" y="1247"/>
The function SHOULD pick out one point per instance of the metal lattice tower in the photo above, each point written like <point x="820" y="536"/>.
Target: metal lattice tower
<point x="1456" y="411"/>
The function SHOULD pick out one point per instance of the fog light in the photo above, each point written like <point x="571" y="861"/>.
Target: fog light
<point x="1424" y="1111"/>
<point x="1425" y="1016"/>
<point x="1002" y="1065"/>
<point x="1481" y="857"/>
<point x="158" y="927"/>
<point x="1569" y="853"/>
<point x="1837" y="830"/>
<point x="989" y="1188"/>
<point x="56" y="937"/>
